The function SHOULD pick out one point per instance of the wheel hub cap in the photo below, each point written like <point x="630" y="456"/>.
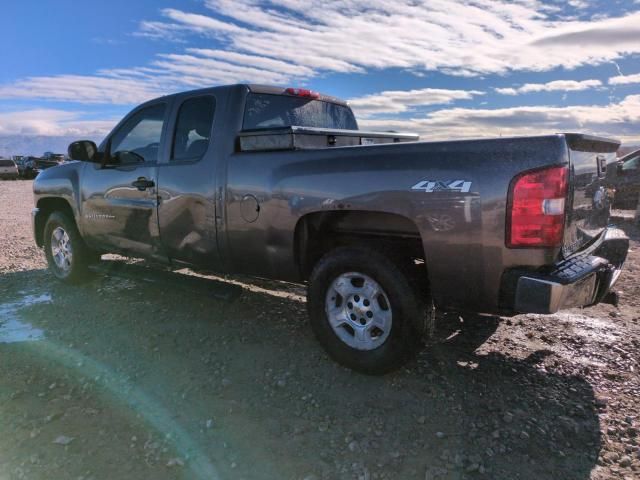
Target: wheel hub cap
<point x="358" y="311"/>
<point x="61" y="249"/>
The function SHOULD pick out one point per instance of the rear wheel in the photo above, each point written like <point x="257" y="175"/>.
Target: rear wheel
<point x="67" y="255"/>
<point x="365" y="311"/>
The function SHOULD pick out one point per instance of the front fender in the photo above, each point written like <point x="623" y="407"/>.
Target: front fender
<point x="57" y="188"/>
<point x="62" y="182"/>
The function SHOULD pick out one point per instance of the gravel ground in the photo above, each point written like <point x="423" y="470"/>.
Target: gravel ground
<point x="148" y="374"/>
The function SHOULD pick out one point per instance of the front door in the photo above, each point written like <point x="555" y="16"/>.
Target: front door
<point x="120" y="198"/>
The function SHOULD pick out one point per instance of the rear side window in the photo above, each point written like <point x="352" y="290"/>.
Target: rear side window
<point x="272" y="111"/>
<point x="193" y="128"/>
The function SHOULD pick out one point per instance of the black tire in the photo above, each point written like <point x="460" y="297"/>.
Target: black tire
<point x="412" y="310"/>
<point x="77" y="270"/>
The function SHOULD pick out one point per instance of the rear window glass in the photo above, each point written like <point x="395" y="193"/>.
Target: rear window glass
<point x="7" y="163"/>
<point x="272" y="111"/>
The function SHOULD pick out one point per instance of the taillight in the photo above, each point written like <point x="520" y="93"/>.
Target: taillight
<point x="302" y="92"/>
<point x="537" y="205"/>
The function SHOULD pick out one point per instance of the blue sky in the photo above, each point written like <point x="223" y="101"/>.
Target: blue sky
<point x="442" y="68"/>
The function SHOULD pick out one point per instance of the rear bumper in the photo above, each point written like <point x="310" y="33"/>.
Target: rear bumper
<point x="580" y="281"/>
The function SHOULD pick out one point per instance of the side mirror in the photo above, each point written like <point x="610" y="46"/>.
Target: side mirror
<point x="83" y="150"/>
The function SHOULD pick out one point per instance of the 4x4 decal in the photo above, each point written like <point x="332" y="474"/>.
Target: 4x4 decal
<point x="428" y="186"/>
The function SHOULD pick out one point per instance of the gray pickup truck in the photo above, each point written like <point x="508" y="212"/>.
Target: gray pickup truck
<point x="382" y="228"/>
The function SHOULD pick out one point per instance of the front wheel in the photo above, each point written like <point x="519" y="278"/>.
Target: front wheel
<point x="66" y="252"/>
<point x="365" y="311"/>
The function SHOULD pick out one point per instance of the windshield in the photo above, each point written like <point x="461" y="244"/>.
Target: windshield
<point x="271" y="111"/>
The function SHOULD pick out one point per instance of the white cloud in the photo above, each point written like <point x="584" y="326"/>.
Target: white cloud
<point x="168" y="73"/>
<point x="295" y="40"/>
<point x="461" y="37"/>
<point x="83" y="89"/>
<point x="398" y="101"/>
<point x="554" y="86"/>
<point x="52" y="122"/>
<point x="160" y="31"/>
<point x="257" y="61"/>
<point x="579" y="4"/>
<point x="620" y="120"/>
<point x="269" y="41"/>
<point x="625" y="79"/>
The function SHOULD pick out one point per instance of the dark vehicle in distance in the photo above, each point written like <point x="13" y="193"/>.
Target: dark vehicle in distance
<point x="625" y="180"/>
<point x="47" y="162"/>
<point x="280" y="183"/>
<point x="55" y="157"/>
<point x="27" y="167"/>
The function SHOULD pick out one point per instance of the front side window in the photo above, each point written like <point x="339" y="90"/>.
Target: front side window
<point x="193" y="129"/>
<point x="138" y="140"/>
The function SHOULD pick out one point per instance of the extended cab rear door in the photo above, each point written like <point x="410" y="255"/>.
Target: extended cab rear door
<point x="186" y="179"/>
<point x="119" y="208"/>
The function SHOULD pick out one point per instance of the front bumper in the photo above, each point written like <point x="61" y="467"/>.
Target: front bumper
<point x="580" y="281"/>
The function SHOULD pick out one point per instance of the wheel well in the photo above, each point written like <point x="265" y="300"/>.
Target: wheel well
<point x="46" y="207"/>
<point x="393" y="235"/>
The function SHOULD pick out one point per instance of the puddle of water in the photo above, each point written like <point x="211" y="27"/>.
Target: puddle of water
<point x="599" y="332"/>
<point x="588" y="327"/>
<point x="12" y="329"/>
<point x="593" y="328"/>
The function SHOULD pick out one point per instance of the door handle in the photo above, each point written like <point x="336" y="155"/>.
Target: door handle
<point x="142" y="183"/>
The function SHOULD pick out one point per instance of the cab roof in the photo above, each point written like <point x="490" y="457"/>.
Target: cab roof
<point x="257" y="88"/>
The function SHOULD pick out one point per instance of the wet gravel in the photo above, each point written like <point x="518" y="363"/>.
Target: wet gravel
<point x="147" y="374"/>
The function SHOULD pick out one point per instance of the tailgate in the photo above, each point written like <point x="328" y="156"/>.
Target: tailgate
<point x="589" y="199"/>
